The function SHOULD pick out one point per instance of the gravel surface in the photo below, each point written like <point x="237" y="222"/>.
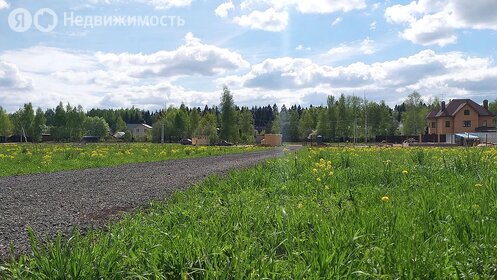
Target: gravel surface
<point x="89" y="198"/>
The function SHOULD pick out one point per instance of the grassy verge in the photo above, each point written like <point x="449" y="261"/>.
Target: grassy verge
<point x="324" y="214"/>
<point x="20" y="159"/>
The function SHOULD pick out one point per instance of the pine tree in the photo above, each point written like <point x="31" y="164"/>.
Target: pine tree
<point x="229" y="127"/>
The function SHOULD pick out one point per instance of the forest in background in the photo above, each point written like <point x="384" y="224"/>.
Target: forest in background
<point x="342" y="119"/>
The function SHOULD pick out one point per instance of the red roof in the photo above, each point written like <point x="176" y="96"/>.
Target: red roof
<point x="456" y="105"/>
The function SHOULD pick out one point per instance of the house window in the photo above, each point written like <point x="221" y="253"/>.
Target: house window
<point x="484" y="124"/>
<point x="447" y="124"/>
<point x="467" y="124"/>
<point x="466" y="112"/>
<point x="433" y="125"/>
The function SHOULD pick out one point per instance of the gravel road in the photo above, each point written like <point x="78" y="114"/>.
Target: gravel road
<point x="89" y="198"/>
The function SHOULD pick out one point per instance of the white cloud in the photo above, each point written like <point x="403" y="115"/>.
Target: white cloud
<point x="157" y="4"/>
<point x="336" y="21"/>
<point x="329" y="6"/>
<point x="348" y="50"/>
<point x="428" y="72"/>
<point x="192" y="58"/>
<point x="223" y="9"/>
<point x="272" y="15"/>
<point x="4" y="4"/>
<point x="430" y="22"/>
<point x="302" y="48"/>
<point x="49" y="75"/>
<point x="268" y="20"/>
<point x="10" y="78"/>
<point x="375" y="6"/>
<point x="372" y="26"/>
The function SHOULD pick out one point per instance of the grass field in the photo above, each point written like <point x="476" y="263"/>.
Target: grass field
<point x="17" y="159"/>
<point x="332" y="213"/>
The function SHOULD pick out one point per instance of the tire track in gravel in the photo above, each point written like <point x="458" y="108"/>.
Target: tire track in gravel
<point x="85" y="199"/>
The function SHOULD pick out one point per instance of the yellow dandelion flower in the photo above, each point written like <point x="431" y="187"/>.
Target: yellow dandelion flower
<point x="405" y="172"/>
<point x="300" y="206"/>
<point x="385" y="199"/>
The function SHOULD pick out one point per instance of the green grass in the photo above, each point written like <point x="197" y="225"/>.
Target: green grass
<point x="18" y="159"/>
<point x="322" y="214"/>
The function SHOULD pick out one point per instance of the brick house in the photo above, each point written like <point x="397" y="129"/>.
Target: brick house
<point x="460" y="116"/>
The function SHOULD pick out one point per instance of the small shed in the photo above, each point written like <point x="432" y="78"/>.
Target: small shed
<point x="272" y="140"/>
<point x="201" y="141"/>
<point x="119" y="135"/>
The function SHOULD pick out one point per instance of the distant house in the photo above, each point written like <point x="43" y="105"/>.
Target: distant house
<point x="140" y="132"/>
<point x="460" y="116"/>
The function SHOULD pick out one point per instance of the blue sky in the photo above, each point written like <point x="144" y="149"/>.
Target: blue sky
<point x="266" y="51"/>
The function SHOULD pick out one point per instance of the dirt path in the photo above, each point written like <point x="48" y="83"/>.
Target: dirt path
<point x="89" y="198"/>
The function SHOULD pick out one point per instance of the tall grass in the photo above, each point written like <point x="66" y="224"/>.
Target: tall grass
<point x="17" y="159"/>
<point x="322" y="214"/>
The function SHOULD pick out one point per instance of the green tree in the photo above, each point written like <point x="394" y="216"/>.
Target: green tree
<point x="229" y="123"/>
<point x="39" y="125"/>
<point x="332" y="117"/>
<point x="293" y="125"/>
<point x="27" y="119"/>
<point x="306" y="124"/>
<point x="208" y="127"/>
<point x="414" y="118"/>
<point x="166" y="122"/>
<point x="323" y="126"/>
<point x="194" y="120"/>
<point x="96" y="126"/>
<point x="5" y="123"/>
<point x="342" y="118"/>
<point x="246" y="126"/>
<point x="276" y="126"/>
<point x="120" y="125"/>
<point x="58" y="130"/>
<point x="493" y="108"/>
<point x="180" y="123"/>
<point x="75" y="118"/>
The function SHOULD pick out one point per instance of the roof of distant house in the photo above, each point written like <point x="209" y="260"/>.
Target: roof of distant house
<point x="456" y="105"/>
<point x="133" y="126"/>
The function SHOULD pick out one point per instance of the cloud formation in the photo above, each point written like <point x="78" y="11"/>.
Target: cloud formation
<point x="10" y="78"/>
<point x="4" y="4"/>
<point x="435" y="22"/>
<point x="273" y="15"/>
<point x="157" y="4"/>
<point x="426" y="71"/>
<point x="223" y="9"/>
<point x="268" y="20"/>
<point x="100" y="79"/>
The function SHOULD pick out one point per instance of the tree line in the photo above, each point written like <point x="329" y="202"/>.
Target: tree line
<point x="346" y="118"/>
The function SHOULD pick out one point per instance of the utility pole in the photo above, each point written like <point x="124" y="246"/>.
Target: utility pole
<point x="162" y="134"/>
